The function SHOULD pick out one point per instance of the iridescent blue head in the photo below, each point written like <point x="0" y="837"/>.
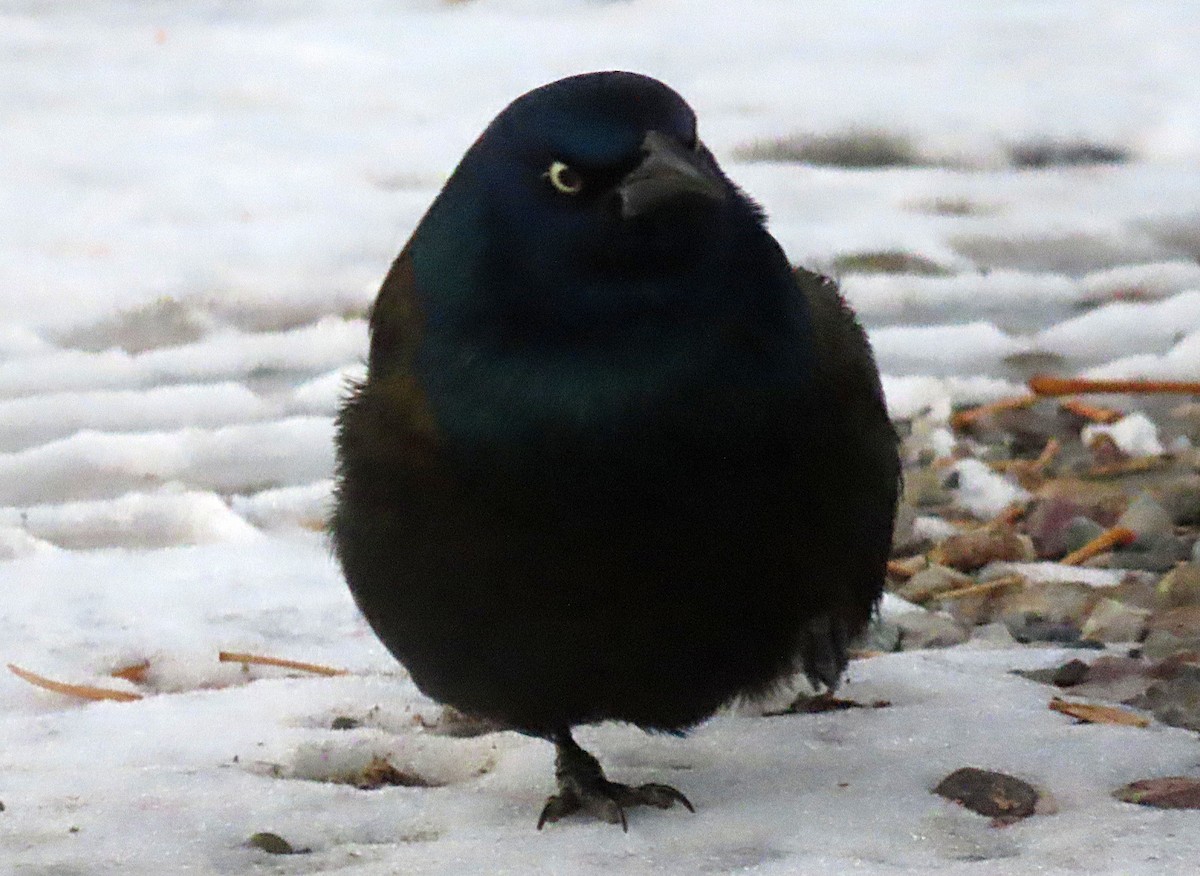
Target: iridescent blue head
<point x="587" y="261"/>
<point x="587" y="202"/>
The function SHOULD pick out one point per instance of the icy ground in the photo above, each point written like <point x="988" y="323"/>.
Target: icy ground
<point x="198" y="200"/>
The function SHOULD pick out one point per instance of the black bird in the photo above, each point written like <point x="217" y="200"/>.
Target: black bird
<point x="613" y="458"/>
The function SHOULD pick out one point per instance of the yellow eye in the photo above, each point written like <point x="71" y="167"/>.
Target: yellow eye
<point x="564" y="178"/>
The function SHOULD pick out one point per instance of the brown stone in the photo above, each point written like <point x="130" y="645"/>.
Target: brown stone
<point x="1112" y="621"/>
<point x="1183" y="621"/>
<point x="1137" y="590"/>
<point x="927" y="583"/>
<point x="989" y="793"/>
<point x="1102" y="502"/>
<point x="968" y="551"/>
<point x="1179" y="587"/>
<point x="1168" y="792"/>
<point x="1052" y="601"/>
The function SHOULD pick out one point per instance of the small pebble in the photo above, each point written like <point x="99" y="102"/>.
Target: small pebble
<point x="973" y="550"/>
<point x="1167" y="792"/>
<point x="902" y="530"/>
<point x="882" y="635"/>
<point x="927" y="629"/>
<point x="1181" y="621"/>
<point x="1161" y="644"/>
<point x="994" y="635"/>
<point x="1080" y="531"/>
<point x="1101" y="501"/>
<point x="1181" y="500"/>
<point x="1027" y="629"/>
<point x="1048" y="523"/>
<point x="1177" y="701"/>
<point x="924" y="487"/>
<point x="928" y="583"/>
<point x="989" y="793"/>
<point x="1112" y="621"/>
<point x="981" y="605"/>
<point x="1172" y="630"/>
<point x="1155" y="553"/>
<point x="1048" y="611"/>
<point x="1179" y="587"/>
<point x="1146" y="517"/>
<point x="1137" y="589"/>
<point x="904" y="568"/>
<point x="273" y="844"/>
<point x="1188" y="414"/>
<point x="1069" y="674"/>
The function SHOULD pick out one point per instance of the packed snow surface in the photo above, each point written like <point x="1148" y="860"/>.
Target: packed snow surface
<point x="199" y="199"/>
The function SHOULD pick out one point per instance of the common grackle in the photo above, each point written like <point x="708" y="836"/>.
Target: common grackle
<point x="613" y="458"/>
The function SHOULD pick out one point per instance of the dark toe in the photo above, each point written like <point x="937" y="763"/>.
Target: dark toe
<point x="557" y="806"/>
<point x="660" y="796"/>
<point x="609" y="800"/>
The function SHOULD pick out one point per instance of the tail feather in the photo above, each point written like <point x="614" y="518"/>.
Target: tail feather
<point x="823" y="643"/>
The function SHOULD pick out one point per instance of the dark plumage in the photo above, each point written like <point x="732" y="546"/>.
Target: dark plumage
<point x="613" y="459"/>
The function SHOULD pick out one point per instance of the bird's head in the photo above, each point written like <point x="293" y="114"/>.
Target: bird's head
<point x="601" y="152"/>
<point x="586" y="201"/>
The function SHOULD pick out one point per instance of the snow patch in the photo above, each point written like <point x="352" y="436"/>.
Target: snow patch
<point x="1135" y="434"/>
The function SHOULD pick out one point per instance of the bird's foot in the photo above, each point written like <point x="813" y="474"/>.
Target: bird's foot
<point x="609" y="800"/>
<point x="582" y="787"/>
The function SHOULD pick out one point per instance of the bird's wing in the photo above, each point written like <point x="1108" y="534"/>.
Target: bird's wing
<point x="858" y="500"/>
<point x="844" y="357"/>
<point x="397" y="320"/>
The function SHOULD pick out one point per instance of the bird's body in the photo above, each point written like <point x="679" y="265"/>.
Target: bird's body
<point x="612" y="460"/>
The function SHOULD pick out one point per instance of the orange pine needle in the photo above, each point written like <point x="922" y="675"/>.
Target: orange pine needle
<point x="1053" y="446"/>
<point x="1093" y="714"/>
<point x="135" y="672"/>
<point x="1118" y="536"/>
<point x="1092" y="413"/>
<point x="964" y="419"/>
<point x="903" y="569"/>
<point x="1008" y="581"/>
<point x="1044" y="384"/>
<point x="260" y="660"/>
<point x="1011" y="514"/>
<point x="1128" y="466"/>
<point x="82" y="691"/>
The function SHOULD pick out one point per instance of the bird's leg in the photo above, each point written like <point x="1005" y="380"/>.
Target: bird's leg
<point x="582" y="786"/>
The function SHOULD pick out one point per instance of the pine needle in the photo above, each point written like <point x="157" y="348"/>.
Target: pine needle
<point x="969" y="417"/>
<point x="261" y="660"/>
<point x="1092" y="413"/>
<point x="1044" y="384"/>
<point x="1093" y="714"/>
<point x="82" y="691"/>
<point x="1118" y="536"/>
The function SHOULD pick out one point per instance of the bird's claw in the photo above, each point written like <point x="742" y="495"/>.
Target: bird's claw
<point x="661" y="796"/>
<point x="608" y="801"/>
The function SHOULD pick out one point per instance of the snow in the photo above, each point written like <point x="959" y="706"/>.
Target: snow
<point x="1136" y="435"/>
<point x="982" y="491"/>
<point x="1111" y="330"/>
<point x="199" y="201"/>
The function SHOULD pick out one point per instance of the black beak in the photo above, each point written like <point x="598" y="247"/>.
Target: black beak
<point x="667" y="172"/>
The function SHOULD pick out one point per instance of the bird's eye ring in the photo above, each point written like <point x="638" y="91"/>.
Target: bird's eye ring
<point x="564" y="178"/>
